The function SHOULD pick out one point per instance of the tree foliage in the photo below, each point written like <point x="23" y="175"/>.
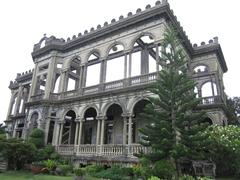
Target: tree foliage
<point x="16" y="152"/>
<point x="224" y="148"/>
<point x="233" y="110"/>
<point x="37" y="138"/>
<point x="173" y="120"/>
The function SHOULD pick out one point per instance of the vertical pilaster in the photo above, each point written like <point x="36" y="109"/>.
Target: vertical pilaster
<point x="10" y="105"/>
<point x="157" y="58"/>
<point x="84" y="77"/>
<point x="130" y="130"/>
<point x="80" y="131"/>
<point x="124" y="130"/>
<point x="98" y="130"/>
<point x="18" y="101"/>
<point x="125" y="66"/>
<point x="34" y="83"/>
<point x="144" y="61"/>
<point x="60" y="133"/>
<point x="102" y="131"/>
<point x="50" y="77"/>
<point x="130" y="65"/>
<point x="76" y="133"/>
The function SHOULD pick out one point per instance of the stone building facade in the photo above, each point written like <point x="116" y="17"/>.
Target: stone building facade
<point x="86" y="93"/>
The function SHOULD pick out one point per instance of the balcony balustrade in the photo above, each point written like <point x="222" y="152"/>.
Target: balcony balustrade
<point x="102" y="150"/>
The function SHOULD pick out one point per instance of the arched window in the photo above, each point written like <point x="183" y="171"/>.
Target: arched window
<point x="143" y="56"/>
<point x="200" y="68"/>
<point x="209" y="89"/>
<point x="69" y="128"/>
<point x="93" y="69"/>
<point x="73" y="75"/>
<point x="115" y="63"/>
<point x="89" y="126"/>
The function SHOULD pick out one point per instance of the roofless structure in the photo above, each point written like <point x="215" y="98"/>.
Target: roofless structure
<point x="86" y="93"/>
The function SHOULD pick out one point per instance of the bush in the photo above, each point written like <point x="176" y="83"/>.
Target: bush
<point x="153" y="178"/>
<point x="223" y="147"/>
<point x="36" y="137"/>
<point x="50" y="164"/>
<point x="113" y="173"/>
<point x="93" y="169"/>
<point x="16" y="152"/>
<point x="64" y="169"/>
<point x="164" y="169"/>
<point x="48" y="152"/>
<point x="79" y="171"/>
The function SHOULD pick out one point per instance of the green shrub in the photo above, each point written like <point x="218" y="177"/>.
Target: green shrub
<point x="153" y="178"/>
<point x="79" y="171"/>
<point x="64" y="169"/>
<point x="36" y="137"/>
<point x="50" y="164"/>
<point x="47" y="152"/>
<point x="93" y="169"/>
<point x="16" y="152"/>
<point x="164" y="169"/>
<point x="114" y="173"/>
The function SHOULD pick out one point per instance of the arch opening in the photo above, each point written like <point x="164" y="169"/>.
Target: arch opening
<point x="69" y="128"/>
<point x="138" y="121"/>
<point x="89" y="126"/>
<point x="114" y="125"/>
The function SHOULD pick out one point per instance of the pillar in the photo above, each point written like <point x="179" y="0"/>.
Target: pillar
<point x="80" y="131"/>
<point x="60" y="133"/>
<point x="34" y="83"/>
<point x="144" y="61"/>
<point x="125" y="66"/>
<point x="18" y="101"/>
<point x="50" y="77"/>
<point x="124" y="129"/>
<point x="157" y="58"/>
<point x="84" y="75"/>
<point x="102" y="131"/>
<point x="62" y="80"/>
<point x="98" y="130"/>
<point x="76" y="133"/>
<point x="130" y="65"/>
<point x="130" y="130"/>
<point x="10" y="105"/>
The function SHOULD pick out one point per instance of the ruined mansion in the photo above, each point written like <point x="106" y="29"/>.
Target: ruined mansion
<point x="86" y="92"/>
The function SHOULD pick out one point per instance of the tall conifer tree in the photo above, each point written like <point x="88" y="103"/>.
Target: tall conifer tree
<point x="172" y="116"/>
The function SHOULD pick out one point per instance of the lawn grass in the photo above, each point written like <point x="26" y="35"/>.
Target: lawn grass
<point x="25" y="175"/>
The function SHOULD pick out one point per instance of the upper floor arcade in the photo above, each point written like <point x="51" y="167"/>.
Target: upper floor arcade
<point x="120" y="56"/>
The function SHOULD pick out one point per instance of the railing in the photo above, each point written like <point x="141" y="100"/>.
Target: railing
<point x="66" y="149"/>
<point x="211" y="100"/>
<point x="142" y="79"/>
<point x="37" y="97"/>
<point x="70" y="93"/>
<point x="86" y="150"/>
<point x="91" y="89"/>
<point x="54" y="96"/>
<point x="104" y="150"/>
<point x="113" y="150"/>
<point x="114" y="85"/>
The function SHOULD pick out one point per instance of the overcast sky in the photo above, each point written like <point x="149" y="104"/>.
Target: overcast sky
<point x="23" y="23"/>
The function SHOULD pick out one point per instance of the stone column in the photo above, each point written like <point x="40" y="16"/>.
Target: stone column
<point x="144" y="61"/>
<point x="125" y="66"/>
<point x="18" y="101"/>
<point x="80" y="130"/>
<point x="130" y="130"/>
<point x="61" y="124"/>
<point x="55" y="133"/>
<point x="84" y="76"/>
<point x="130" y="65"/>
<point x="124" y="129"/>
<point x="62" y="82"/>
<point x="157" y="58"/>
<point x="10" y="105"/>
<point x="102" y="130"/>
<point x="80" y="78"/>
<point x="76" y="132"/>
<point x="34" y="83"/>
<point x="98" y="130"/>
<point x="50" y="77"/>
